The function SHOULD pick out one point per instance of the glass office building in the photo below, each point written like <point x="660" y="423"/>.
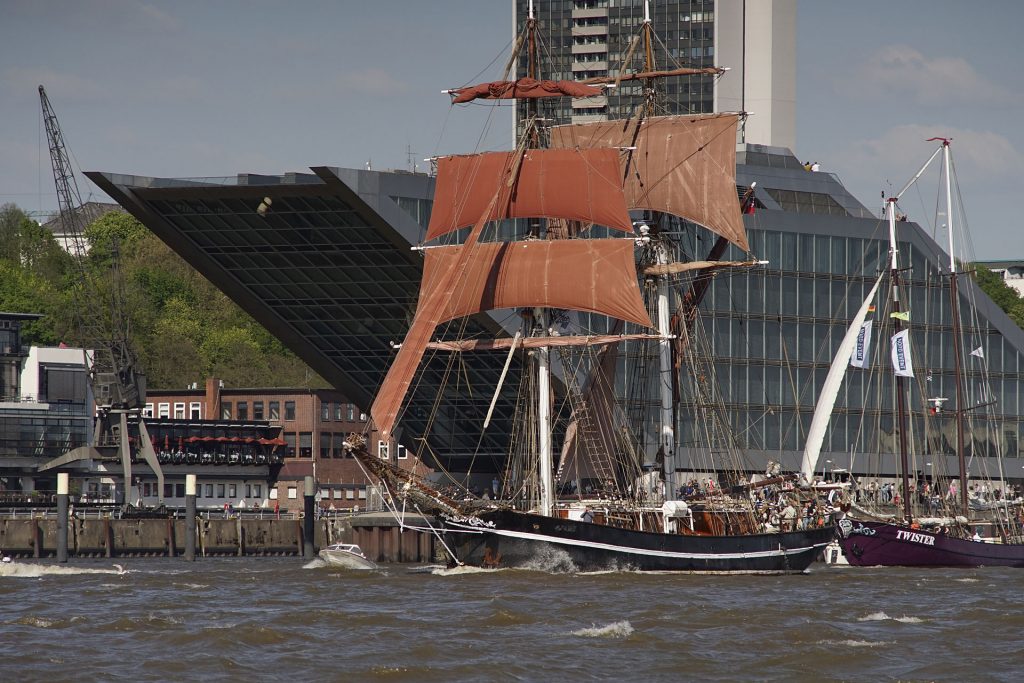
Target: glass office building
<point x="329" y="271"/>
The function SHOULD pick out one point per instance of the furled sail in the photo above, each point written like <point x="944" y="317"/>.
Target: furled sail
<point x="583" y="185"/>
<point x="536" y="342"/>
<point x="681" y="165"/>
<point x="644" y="75"/>
<point x="524" y="88"/>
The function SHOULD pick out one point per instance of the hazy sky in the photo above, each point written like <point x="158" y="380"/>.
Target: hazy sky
<point x="207" y="88"/>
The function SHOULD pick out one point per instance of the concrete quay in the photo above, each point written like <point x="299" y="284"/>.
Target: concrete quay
<point x="378" y="534"/>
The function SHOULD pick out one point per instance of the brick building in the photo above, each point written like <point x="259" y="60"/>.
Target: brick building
<point x="313" y="425"/>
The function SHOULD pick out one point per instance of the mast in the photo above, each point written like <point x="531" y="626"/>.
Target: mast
<point x="545" y="457"/>
<point x="901" y="408"/>
<point x="954" y="303"/>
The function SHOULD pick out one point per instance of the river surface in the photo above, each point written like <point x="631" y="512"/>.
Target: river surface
<point x="286" y="619"/>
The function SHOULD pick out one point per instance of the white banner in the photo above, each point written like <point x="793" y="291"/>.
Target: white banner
<point x="862" y="348"/>
<point x="901" y="362"/>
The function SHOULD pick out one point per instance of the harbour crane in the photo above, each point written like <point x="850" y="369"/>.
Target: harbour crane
<point x="115" y="377"/>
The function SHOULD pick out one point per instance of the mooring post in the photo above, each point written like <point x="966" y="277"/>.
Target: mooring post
<point x="308" y="522"/>
<point x="190" y="518"/>
<point x="62" y="516"/>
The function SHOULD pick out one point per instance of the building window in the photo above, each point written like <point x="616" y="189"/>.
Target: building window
<point x="362" y="493"/>
<point x="195" y="410"/>
<point x="351" y="412"/>
<point x="168" y="490"/>
<point x="275" y="410"/>
<point x="325" y="445"/>
<point x="243" y="410"/>
<point x="248" y="490"/>
<point x="306" y="444"/>
<point x="209" y="490"/>
<point x="165" y="410"/>
<point x="179" y="411"/>
<point x="289" y="410"/>
<point x="257" y="490"/>
<point x="291" y="493"/>
<point x="225" y="411"/>
<point x="362" y="417"/>
<point x="400" y="452"/>
<point x="337" y="412"/>
<point x="148" y="410"/>
<point x="383" y="450"/>
<point x="232" y="490"/>
<point x="350" y="494"/>
<point x="289" y="448"/>
<point x="179" y="490"/>
<point x="325" y="411"/>
<point x="257" y="410"/>
<point x="273" y="493"/>
<point x="220" y="490"/>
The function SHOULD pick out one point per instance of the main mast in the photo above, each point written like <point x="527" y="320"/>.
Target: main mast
<point x="954" y="304"/>
<point x="901" y="408"/>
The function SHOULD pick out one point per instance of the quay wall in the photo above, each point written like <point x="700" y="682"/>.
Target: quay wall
<point x="379" y="535"/>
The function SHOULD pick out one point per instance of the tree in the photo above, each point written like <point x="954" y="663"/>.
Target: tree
<point x="1004" y="296"/>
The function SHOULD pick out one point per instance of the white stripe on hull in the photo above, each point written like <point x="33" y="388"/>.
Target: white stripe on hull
<point x="557" y="540"/>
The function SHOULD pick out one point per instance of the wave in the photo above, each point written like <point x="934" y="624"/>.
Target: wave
<point x="882" y="616"/>
<point x="849" y="642"/>
<point x="28" y="570"/>
<point x="617" y="629"/>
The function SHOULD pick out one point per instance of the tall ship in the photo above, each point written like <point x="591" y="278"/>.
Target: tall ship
<point x="545" y="232"/>
<point x="929" y="517"/>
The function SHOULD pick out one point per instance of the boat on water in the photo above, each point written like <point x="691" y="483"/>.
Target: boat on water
<point x="612" y="496"/>
<point x="929" y="518"/>
<point x="347" y="555"/>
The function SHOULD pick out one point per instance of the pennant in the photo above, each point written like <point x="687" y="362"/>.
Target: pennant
<point x="901" y="362"/>
<point x="901" y="315"/>
<point x="862" y="347"/>
<point x="978" y="352"/>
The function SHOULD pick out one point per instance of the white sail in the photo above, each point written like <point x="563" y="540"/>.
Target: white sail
<point x="830" y="390"/>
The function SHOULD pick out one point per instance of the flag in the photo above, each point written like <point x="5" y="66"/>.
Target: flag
<point x="862" y="348"/>
<point x="871" y="308"/>
<point x="901" y="362"/>
<point x="901" y="315"/>
<point x="978" y="352"/>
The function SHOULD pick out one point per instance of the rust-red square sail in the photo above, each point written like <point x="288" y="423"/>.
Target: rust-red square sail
<point x="524" y="88"/>
<point x="583" y="185"/>
<point x="680" y="165"/>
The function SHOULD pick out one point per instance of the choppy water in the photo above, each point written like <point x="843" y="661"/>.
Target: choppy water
<point x="286" y="620"/>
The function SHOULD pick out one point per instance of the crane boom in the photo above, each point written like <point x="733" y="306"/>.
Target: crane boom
<point x="118" y="384"/>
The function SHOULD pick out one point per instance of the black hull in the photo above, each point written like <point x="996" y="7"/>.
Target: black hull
<point x="505" y="538"/>
<point x="891" y="545"/>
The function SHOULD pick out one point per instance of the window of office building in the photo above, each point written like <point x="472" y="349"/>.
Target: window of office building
<point x="275" y="410"/>
<point x="400" y="452"/>
<point x="337" y="411"/>
<point x="209" y="490"/>
<point x="195" y="410"/>
<point x="179" y="411"/>
<point x="325" y="411"/>
<point x="306" y="444"/>
<point x="232" y="490"/>
<point x="325" y="445"/>
<point x="225" y="411"/>
<point x="164" y="410"/>
<point x="289" y="410"/>
<point x="220" y="490"/>
<point x="243" y="410"/>
<point x="257" y="410"/>
<point x="292" y="492"/>
<point x="148" y="410"/>
<point x="383" y="450"/>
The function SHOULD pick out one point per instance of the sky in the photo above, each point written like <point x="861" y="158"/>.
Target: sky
<point x="191" y="88"/>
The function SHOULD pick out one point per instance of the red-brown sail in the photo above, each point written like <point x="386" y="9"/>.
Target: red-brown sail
<point x="506" y="343"/>
<point x="524" y="88"/>
<point x="583" y="185"/>
<point x="681" y="165"/>
<point x="598" y="276"/>
<point x="585" y="275"/>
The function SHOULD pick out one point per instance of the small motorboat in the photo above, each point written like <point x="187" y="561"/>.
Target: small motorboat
<point x="347" y="555"/>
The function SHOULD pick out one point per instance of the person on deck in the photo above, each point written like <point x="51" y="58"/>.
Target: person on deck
<point x="588" y="515"/>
